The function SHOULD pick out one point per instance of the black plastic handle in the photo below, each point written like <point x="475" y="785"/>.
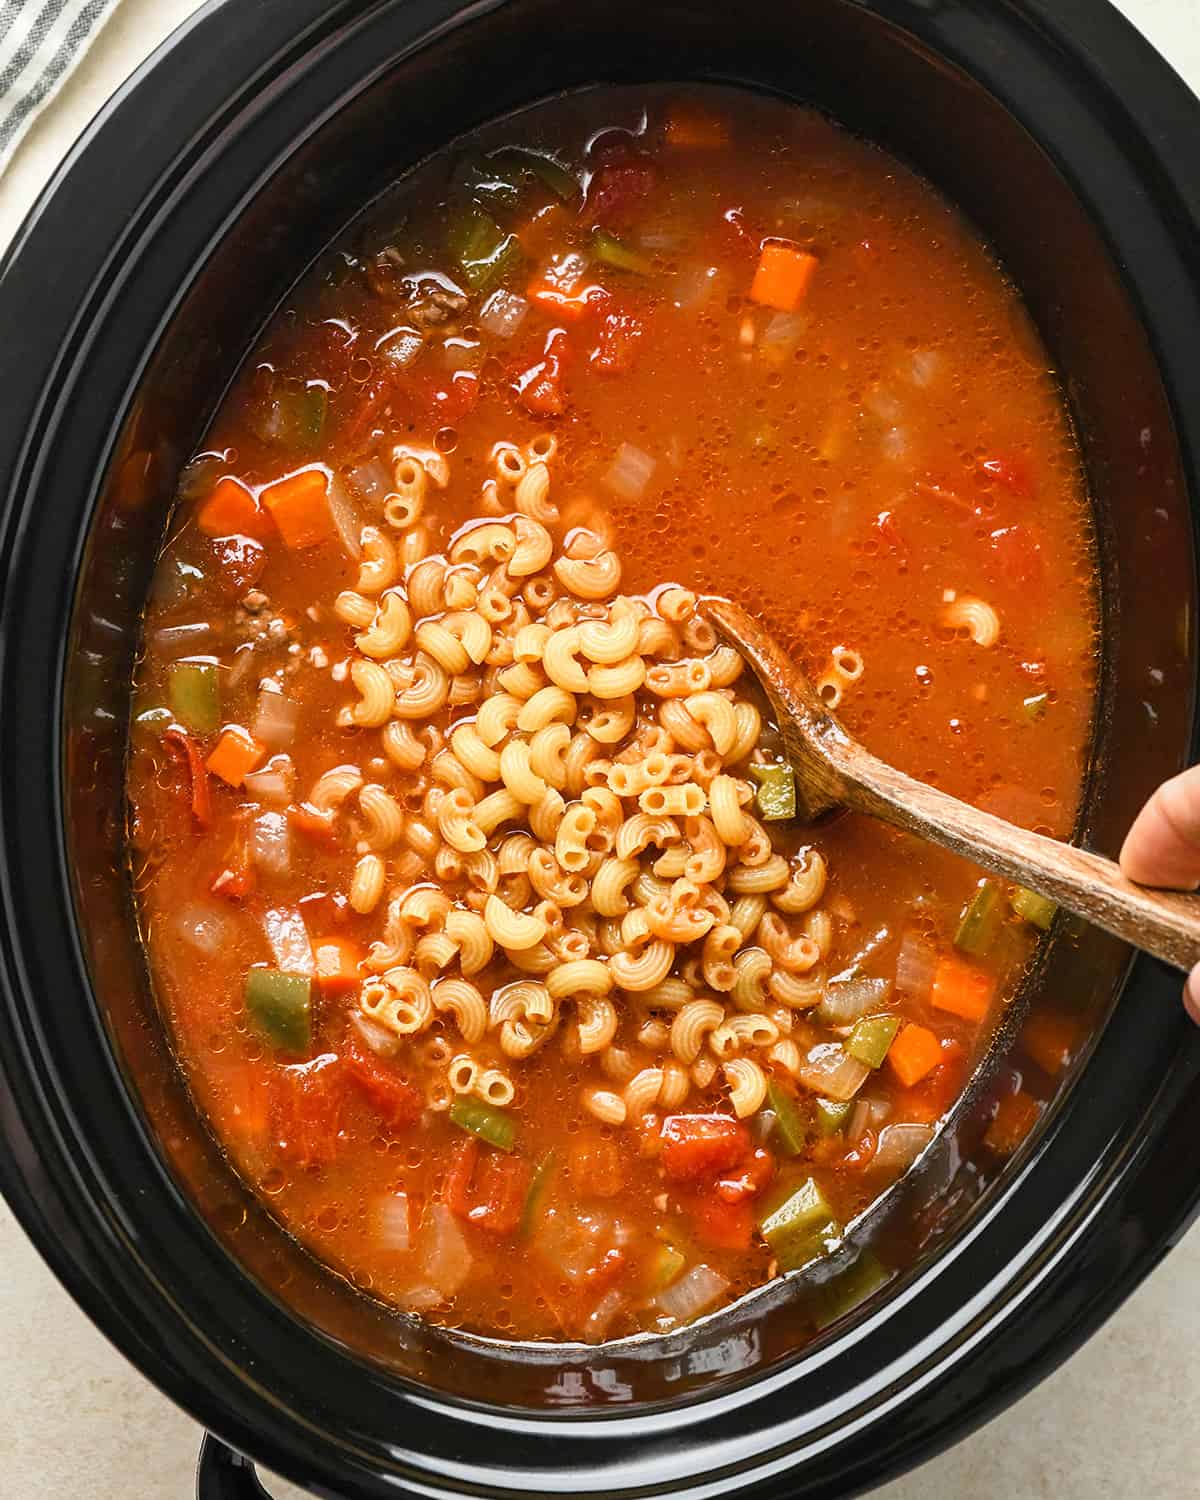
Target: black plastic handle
<point x="223" y="1474"/>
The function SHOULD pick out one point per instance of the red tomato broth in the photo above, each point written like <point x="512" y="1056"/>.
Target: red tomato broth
<point x="901" y="437"/>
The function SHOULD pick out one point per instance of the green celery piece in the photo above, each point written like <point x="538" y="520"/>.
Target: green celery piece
<point x="980" y="920"/>
<point x="281" y="1007"/>
<point x="609" y="249"/>
<point x="665" y="1267"/>
<point x="1031" y="907"/>
<point x="534" y="1198"/>
<point x="1035" y="707"/>
<point x="776" y="792"/>
<point x="843" y="1293"/>
<point x="483" y="250"/>
<point x="194" y="689"/>
<point x="484" y="1120"/>
<point x="311" y="411"/>
<point x="832" y="1115"/>
<point x="791" y="1128"/>
<point x="871" y="1038"/>
<point x="801" y="1228"/>
<point x="562" y="183"/>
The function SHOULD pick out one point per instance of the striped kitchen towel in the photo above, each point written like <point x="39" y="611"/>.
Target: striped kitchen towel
<point x="40" y="42"/>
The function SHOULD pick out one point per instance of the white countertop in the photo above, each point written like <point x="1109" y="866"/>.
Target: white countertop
<point x="1120" y="1421"/>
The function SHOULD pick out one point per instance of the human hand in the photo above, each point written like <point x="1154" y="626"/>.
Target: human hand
<point x="1163" y="849"/>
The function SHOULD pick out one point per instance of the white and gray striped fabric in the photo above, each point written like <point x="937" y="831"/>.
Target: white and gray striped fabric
<point x="40" y="42"/>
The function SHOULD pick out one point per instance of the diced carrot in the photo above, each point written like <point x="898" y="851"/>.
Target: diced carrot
<point x="1050" y="1041"/>
<point x="543" y="230"/>
<point x="961" y="989"/>
<point x="691" y="127"/>
<point x="1015" y="1117"/>
<point x="336" y="960"/>
<point x="299" y="506"/>
<point x="231" y="510"/>
<point x="313" y="822"/>
<point x="914" y="1053"/>
<point x="235" y="755"/>
<point x="783" y="276"/>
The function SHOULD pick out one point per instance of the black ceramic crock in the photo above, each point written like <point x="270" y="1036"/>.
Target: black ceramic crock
<point x="126" y="302"/>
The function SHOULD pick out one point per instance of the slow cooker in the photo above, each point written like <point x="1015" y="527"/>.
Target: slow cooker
<point x="127" y="300"/>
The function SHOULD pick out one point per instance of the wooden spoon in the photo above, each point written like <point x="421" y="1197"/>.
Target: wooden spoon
<point x="833" y="770"/>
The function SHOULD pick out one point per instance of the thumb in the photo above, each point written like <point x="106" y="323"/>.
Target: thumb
<point x="1163" y="846"/>
<point x="1191" y="995"/>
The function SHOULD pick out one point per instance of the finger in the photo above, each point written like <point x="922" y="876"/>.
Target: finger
<point x="1163" y="846"/>
<point x="1191" y="995"/>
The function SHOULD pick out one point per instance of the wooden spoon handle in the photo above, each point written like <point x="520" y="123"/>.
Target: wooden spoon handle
<point x="1164" y="923"/>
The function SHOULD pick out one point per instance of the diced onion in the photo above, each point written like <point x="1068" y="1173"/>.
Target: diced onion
<point x="288" y="939"/>
<point x="693" y="286"/>
<point x="785" y="328"/>
<point x="420" y="1297"/>
<point x="378" y="1038"/>
<point x="630" y="472"/>
<point x="846" y="1001"/>
<point x="694" y="1293"/>
<point x="868" y="1114"/>
<point x="901" y="1144"/>
<point x="503" y="313"/>
<point x="659" y="239"/>
<point x="925" y="367"/>
<point x="369" y="480"/>
<point x="204" y="927"/>
<point x="400" y="347"/>
<point x="390" y="1220"/>
<point x="763" y="1124"/>
<point x="830" y="1071"/>
<point x="445" y="1256"/>
<point x="602" y="1315"/>
<point x="915" y="964"/>
<point x="273" y="783"/>
<point x="177" y="640"/>
<point x="275" y="720"/>
<point x="884" y="404"/>
<point x="345" y="517"/>
<point x="273" y="843"/>
<point x="894" y="443"/>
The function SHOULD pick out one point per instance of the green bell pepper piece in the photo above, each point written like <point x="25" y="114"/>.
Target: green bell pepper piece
<point x="664" y="1268"/>
<point x="845" y="1292"/>
<point x="534" y="1198"/>
<point x="776" y="797"/>
<point x="791" y="1128"/>
<point x="483" y="250"/>
<point x="801" y="1228"/>
<point x="980" y="920"/>
<point x="832" y="1115"/>
<point x="281" y="1007"/>
<point x="609" y="249"/>
<point x="1031" y="907"/>
<point x="871" y="1038"/>
<point x="484" y="1120"/>
<point x="194" y="689"/>
<point x="562" y="183"/>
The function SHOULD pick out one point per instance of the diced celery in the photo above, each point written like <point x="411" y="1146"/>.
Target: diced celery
<point x="562" y="184"/>
<point x="801" y="1228"/>
<point x="832" y="1115"/>
<point x="486" y="1121"/>
<point x="312" y="409"/>
<point x="609" y="249"/>
<point x="536" y="1195"/>
<point x="483" y="250"/>
<point x="665" y="1265"/>
<point x="1035" y="707"/>
<point x="281" y="1007"/>
<point x="791" y="1128"/>
<point x="194" y="689"/>
<point x="980" y="920"/>
<point x="1031" y="907"/>
<point x="776" y="797"/>
<point x="871" y="1038"/>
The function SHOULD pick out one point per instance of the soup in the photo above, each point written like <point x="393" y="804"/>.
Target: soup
<point x="466" y="858"/>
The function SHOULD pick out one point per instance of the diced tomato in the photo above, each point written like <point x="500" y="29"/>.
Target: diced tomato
<point x="1019" y="555"/>
<point x="235" y="879"/>
<point x="719" y="1224"/>
<point x="540" y="388"/>
<point x="361" y="421"/>
<point x="184" y="748"/>
<point x="622" y="179"/>
<point x="757" y="1172"/>
<point x="620" y="335"/>
<point x="307" y="1112"/>
<point x="457" y="1190"/>
<point x="396" y="1101"/>
<point x="240" y="562"/>
<point x="562" y="289"/>
<point x="596" y="1167"/>
<point x="446" y="398"/>
<point x="1011" y="473"/>
<point x="596" y="1278"/>
<point x="702" y="1145"/>
<point x="501" y="1185"/>
<point x="323" y="911"/>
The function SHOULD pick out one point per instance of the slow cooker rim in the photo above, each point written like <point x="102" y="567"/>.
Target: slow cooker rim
<point x="68" y="1262"/>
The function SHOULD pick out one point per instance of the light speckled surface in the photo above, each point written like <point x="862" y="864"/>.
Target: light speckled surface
<point x="1120" y="1421"/>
